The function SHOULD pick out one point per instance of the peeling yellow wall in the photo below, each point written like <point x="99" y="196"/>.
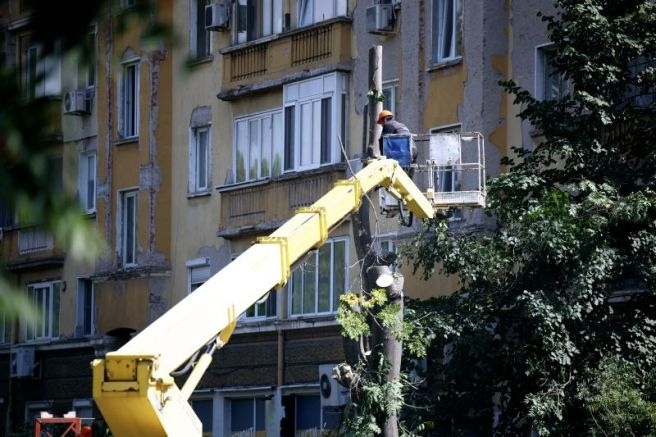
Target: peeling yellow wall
<point x="445" y="95"/>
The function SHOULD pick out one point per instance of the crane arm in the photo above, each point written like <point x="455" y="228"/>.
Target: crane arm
<point x="133" y="386"/>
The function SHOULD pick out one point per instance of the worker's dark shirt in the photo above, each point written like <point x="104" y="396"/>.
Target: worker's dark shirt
<point x="395" y="127"/>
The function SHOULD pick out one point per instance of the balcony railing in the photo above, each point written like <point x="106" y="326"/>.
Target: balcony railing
<point x="33" y="240"/>
<point x="247" y="63"/>
<point x="271" y="59"/>
<point x="265" y="206"/>
<point x="28" y="247"/>
<point x="312" y="45"/>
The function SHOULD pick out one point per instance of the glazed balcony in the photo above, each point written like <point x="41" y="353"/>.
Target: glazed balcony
<point x="263" y="206"/>
<point x="292" y="55"/>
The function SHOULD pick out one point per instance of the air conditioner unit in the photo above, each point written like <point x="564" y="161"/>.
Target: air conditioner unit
<point x="332" y="393"/>
<point x="22" y="362"/>
<point x="75" y="102"/>
<point x="380" y="18"/>
<point x="217" y="16"/>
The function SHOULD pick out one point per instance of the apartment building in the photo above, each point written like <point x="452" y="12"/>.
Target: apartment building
<point x="184" y="154"/>
<point x="111" y="146"/>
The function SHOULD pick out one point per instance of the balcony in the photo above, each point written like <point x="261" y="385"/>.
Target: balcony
<point x="28" y="247"/>
<point x="272" y="61"/>
<point x="263" y="206"/>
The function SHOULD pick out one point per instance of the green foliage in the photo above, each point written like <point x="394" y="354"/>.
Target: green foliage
<point x="568" y="275"/>
<point x="620" y="400"/>
<point x="375" y="399"/>
<point x="356" y="310"/>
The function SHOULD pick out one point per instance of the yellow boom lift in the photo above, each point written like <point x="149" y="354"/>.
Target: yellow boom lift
<point x="133" y="386"/>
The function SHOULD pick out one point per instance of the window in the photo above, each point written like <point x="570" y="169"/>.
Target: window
<point x="246" y="414"/>
<point x="4" y="328"/>
<point x="314" y="11"/>
<point x="198" y="271"/>
<point x="86" y="182"/>
<point x="389" y="92"/>
<point x="446" y="30"/>
<point x="199" y="37"/>
<point x="386" y="245"/>
<point x="204" y="409"/>
<point x="129" y="94"/>
<point x="7" y="217"/>
<point x="258" y="146"/>
<point x="90" y="67"/>
<point x="302" y="415"/>
<point x="639" y="92"/>
<point x="127" y="243"/>
<point x="44" y="297"/>
<point x="258" y="18"/>
<point x="265" y="307"/>
<point x="315" y="111"/>
<point x="85" y="311"/>
<point x="199" y="160"/>
<point x="42" y="72"/>
<point x="549" y="84"/>
<point x="317" y="283"/>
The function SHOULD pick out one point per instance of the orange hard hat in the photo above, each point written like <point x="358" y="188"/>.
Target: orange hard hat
<point x="383" y="115"/>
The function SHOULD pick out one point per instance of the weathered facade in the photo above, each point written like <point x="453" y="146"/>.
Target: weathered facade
<point x="197" y="148"/>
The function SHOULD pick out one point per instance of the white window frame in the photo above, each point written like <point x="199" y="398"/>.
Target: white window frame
<point x="312" y="127"/>
<point x="85" y="311"/>
<point x="227" y="402"/>
<point x="265" y="308"/>
<point x="548" y="84"/>
<point x="42" y="73"/>
<point x="446" y="30"/>
<point x="306" y="273"/>
<point x="129" y="100"/>
<point x="390" y="91"/>
<point x="314" y="11"/>
<point x="200" y="168"/>
<point x="46" y="300"/>
<point x="86" y="184"/>
<point x="127" y="225"/>
<point x="197" y="30"/>
<point x="267" y="16"/>
<point x="258" y="146"/>
<point x="198" y="272"/>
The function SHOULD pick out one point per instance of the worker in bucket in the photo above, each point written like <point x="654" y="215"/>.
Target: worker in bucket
<point x="393" y="126"/>
<point x="390" y="125"/>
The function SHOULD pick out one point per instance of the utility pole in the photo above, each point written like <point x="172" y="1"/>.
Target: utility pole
<point x="375" y="268"/>
<point x="375" y="105"/>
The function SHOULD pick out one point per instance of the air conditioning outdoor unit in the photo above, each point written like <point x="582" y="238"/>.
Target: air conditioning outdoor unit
<point x="380" y="18"/>
<point x="75" y="102"/>
<point x="217" y="16"/>
<point x="21" y="362"/>
<point x="332" y="393"/>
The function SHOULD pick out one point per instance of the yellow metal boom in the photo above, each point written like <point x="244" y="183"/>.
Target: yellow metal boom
<point x="133" y="386"/>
